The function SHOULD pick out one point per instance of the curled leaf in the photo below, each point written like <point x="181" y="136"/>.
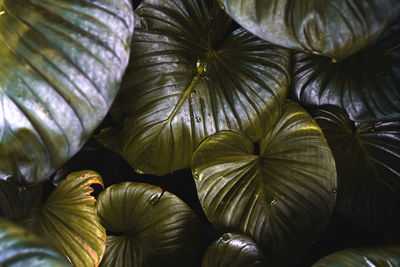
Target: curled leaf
<point x="233" y="250"/>
<point x="67" y="220"/>
<point x="148" y="227"/>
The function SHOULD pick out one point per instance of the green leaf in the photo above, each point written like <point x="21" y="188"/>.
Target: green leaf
<point x="21" y="248"/>
<point x="192" y="74"/>
<point x="335" y="29"/>
<point x="148" y="227"/>
<point x="372" y="257"/>
<point x="67" y="220"/>
<point x="281" y="198"/>
<point x="366" y="84"/>
<point x="17" y="201"/>
<point x="61" y="63"/>
<point x="233" y="250"/>
<point x="367" y="160"/>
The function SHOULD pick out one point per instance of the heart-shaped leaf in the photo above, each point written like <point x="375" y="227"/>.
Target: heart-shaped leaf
<point x="233" y="250"/>
<point x="61" y="62"/>
<point x="371" y="257"/>
<point x="335" y="29"/>
<point x="367" y="160"/>
<point x="192" y="75"/>
<point x="366" y="84"/>
<point x="67" y="220"/>
<point x="148" y="227"/>
<point x="19" y="247"/>
<point x="283" y="197"/>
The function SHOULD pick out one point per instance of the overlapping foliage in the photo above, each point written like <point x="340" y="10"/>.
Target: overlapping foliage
<point x="203" y="86"/>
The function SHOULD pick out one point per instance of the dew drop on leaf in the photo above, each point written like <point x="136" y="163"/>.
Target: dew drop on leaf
<point x="139" y="171"/>
<point x="154" y="199"/>
<point x="226" y="237"/>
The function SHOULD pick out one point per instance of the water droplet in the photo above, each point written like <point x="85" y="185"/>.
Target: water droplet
<point x="221" y="4"/>
<point x="226" y="237"/>
<point x="334" y="190"/>
<point x="273" y="202"/>
<point x="194" y="92"/>
<point x="139" y="171"/>
<point x="198" y="63"/>
<point x="196" y="175"/>
<point x="21" y="189"/>
<point x="198" y="119"/>
<point x="154" y="199"/>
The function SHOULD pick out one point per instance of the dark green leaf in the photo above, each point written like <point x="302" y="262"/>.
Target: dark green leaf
<point x="148" y="227"/>
<point x="367" y="159"/>
<point x="67" y="220"/>
<point x="61" y="62"/>
<point x="355" y="257"/>
<point x="281" y="198"/>
<point x="20" y="248"/>
<point x="192" y="75"/>
<point x="233" y="250"/>
<point x="366" y="85"/>
<point x="335" y="29"/>
<point x="16" y="201"/>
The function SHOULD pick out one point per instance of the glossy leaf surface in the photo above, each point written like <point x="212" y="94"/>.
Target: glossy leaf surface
<point x="283" y="197"/>
<point x="19" y="248"/>
<point x="148" y="227"/>
<point x="354" y="257"/>
<point x="67" y="220"/>
<point x="366" y="84"/>
<point x="192" y="74"/>
<point x="335" y="29"/>
<point x="367" y="159"/>
<point x="61" y="62"/>
<point x="233" y="250"/>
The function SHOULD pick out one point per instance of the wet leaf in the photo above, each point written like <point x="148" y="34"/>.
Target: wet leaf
<point x="282" y="197"/>
<point x="367" y="159"/>
<point x="192" y="74"/>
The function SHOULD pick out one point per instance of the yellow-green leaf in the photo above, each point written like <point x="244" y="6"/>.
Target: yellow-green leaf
<point x="67" y="220"/>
